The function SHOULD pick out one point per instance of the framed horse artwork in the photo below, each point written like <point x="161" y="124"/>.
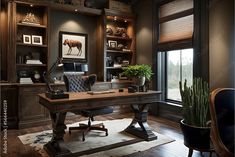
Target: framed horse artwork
<point x="73" y="46"/>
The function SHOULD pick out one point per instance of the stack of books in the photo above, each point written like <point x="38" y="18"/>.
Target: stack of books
<point x="29" y="61"/>
<point x="26" y="80"/>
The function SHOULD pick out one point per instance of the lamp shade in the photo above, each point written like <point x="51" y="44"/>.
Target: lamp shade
<point x="84" y="67"/>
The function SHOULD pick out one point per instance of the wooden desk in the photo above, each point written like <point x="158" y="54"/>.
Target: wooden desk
<point x="139" y="103"/>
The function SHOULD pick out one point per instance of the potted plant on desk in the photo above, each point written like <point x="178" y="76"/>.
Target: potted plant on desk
<point x="195" y="107"/>
<point x="138" y="73"/>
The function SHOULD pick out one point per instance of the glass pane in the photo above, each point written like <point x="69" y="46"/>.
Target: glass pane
<point x="187" y="65"/>
<point x="179" y="67"/>
<point x="173" y="74"/>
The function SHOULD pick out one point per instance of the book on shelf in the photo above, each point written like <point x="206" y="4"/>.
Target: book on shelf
<point x="29" y="61"/>
<point x="30" y="23"/>
<point x="126" y="50"/>
<point x="117" y="65"/>
<point x="26" y="80"/>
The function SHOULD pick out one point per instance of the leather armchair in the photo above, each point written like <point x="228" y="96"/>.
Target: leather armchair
<point x="79" y="83"/>
<point x="222" y="121"/>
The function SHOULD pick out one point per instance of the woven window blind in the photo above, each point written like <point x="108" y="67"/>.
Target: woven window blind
<point x="176" y="21"/>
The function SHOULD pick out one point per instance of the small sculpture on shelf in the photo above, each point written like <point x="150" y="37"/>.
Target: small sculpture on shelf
<point x="30" y="19"/>
<point x="120" y="47"/>
<point x="121" y="32"/>
<point x="109" y="31"/>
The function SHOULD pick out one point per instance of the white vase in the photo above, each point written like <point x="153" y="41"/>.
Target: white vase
<point x="139" y="81"/>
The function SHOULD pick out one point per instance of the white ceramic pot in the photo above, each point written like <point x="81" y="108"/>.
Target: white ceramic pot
<point x="139" y="81"/>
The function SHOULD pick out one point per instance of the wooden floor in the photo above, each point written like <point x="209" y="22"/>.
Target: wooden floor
<point x="174" y="149"/>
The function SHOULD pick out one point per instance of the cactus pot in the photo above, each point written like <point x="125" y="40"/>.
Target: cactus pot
<point x="195" y="137"/>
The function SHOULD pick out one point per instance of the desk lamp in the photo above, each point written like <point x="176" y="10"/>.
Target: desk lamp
<point x="84" y="68"/>
<point x="54" y="94"/>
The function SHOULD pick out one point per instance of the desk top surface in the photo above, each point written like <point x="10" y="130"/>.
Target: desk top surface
<point x="83" y="100"/>
<point x="82" y="96"/>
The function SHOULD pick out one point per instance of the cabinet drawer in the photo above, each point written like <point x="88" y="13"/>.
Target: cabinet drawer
<point x="33" y="89"/>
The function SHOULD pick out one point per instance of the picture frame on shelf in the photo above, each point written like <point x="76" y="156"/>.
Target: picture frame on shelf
<point x="36" y="39"/>
<point x="112" y="44"/>
<point x="26" y="39"/>
<point x="73" y="46"/>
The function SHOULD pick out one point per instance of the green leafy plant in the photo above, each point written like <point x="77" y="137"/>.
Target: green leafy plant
<point x="138" y="71"/>
<point x="195" y="102"/>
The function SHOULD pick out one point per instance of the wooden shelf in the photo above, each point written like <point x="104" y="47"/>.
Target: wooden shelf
<point x="31" y="25"/>
<point x="63" y="7"/>
<point x="32" y="65"/>
<point x="114" y="67"/>
<point x="118" y="38"/>
<point x="79" y="9"/>
<point x="119" y="14"/>
<point x="117" y="51"/>
<point x="34" y="45"/>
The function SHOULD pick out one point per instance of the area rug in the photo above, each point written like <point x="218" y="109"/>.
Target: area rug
<point x="96" y="142"/>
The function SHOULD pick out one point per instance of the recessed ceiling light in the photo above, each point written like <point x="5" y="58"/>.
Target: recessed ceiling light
<point x="125" y="21"/>
<point x="75" y="10"/>
<point x="31" y="5"/>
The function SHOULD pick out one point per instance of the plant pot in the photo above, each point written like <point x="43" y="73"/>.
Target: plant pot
<point x="195" y="137"/>
<point x="139" y="81"/>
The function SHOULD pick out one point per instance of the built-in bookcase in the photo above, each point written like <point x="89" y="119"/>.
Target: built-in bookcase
<point x="119" y="43"/>
<point x="31" y="41"/>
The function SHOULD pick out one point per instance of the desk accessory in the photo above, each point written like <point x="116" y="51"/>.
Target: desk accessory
<point x="56" y="94"/>
<point x="133" y="89"/>
<point x="121" y="90"/>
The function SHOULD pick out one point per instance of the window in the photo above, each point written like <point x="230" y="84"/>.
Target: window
<point x="179" y="66"/>
<point x="175" y="33"/>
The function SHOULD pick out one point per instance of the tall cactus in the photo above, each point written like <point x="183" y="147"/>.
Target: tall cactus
<point x="195" y="102"/>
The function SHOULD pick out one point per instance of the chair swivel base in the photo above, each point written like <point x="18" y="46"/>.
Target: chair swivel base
<point x="86" y="128"/>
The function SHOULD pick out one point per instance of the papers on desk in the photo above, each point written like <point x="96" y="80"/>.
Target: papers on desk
<point x="100" y="92"/>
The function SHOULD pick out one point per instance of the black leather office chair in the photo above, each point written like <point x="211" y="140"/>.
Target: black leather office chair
<point x="222" y="121"/>
<point x="79" y="83"/>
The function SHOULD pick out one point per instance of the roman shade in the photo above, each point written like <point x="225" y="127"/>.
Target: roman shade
<point x="176" y="21"/>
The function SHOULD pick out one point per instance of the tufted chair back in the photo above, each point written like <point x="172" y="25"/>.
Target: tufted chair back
<point x="222" y="121"/>
<point x="79" y="83"/>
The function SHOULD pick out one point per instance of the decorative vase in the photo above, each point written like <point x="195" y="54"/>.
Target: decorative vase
<point x="139" y="81"/>
<point x="195" y="137"/>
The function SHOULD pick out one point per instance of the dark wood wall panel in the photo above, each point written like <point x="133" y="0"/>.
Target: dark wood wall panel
<point x="3" y="43"/>
<point x="9" y="96"/>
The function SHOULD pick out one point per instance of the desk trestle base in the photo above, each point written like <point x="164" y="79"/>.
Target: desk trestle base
<point x="144" y="131"/>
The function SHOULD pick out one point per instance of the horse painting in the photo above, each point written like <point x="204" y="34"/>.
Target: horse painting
<point x="73" y="43"/>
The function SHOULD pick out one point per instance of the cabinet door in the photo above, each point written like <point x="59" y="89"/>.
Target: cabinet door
<point x="9" y="107"/>
<point x="31" y="113"/>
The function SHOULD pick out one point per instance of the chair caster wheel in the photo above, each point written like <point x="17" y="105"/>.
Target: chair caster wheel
<point x="106" y="134"/>
<point x="83" y="139"/>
